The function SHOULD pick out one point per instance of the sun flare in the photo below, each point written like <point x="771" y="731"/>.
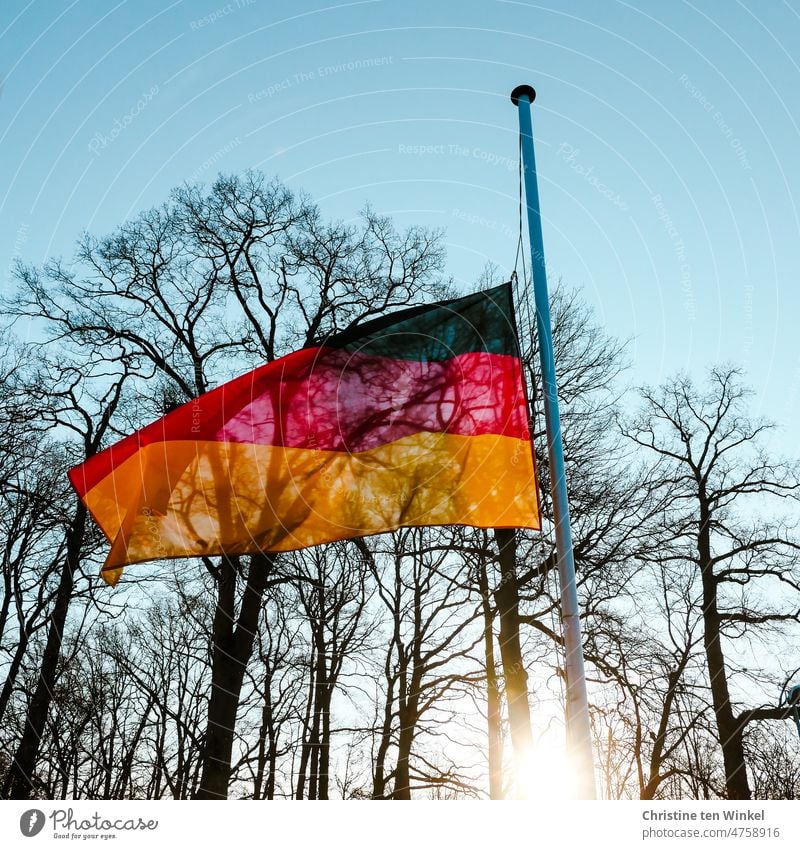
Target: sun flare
<point x="547" y="772"/>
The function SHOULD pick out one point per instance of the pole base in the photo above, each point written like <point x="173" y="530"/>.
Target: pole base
<point x="528" y="90"/>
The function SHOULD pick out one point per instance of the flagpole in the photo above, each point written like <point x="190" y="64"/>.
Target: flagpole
<point x="579" y="742"/>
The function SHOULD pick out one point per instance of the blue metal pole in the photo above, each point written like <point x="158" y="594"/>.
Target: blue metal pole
<point x="579" y="742"/>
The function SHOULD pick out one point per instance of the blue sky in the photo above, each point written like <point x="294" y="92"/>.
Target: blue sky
<point x="666" y="133"/>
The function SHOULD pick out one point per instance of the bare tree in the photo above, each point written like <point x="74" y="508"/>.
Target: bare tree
<point x="721" y="483"/>
<point x="773" y="753"/>
<point x="161" y="288"/>
<point x="397" y="665"/>
<point x="32" y="543"/>
<point x="81" y="398"/>
<point x="430" y="661"/>
<point x="276" y="682"/>
<point x="330" y="587"/>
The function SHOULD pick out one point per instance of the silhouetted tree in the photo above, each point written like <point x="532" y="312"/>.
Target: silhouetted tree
<point x="725" y="519"/>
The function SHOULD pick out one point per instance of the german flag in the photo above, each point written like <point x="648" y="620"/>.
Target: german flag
<point x="416" y="418"/>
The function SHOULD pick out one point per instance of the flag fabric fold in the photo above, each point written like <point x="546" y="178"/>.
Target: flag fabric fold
<point x="417" y="418"/>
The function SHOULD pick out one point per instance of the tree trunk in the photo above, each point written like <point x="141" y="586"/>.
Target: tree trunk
<point x="233" y="648"/>
<point x="494" y="726"/>
<point x="19" y="781"/>
<point x="408" y="715"/>
<point x="408" y="712"/>
<point x="315" y="781"/>
<point x="266" y="745"/>
<point x="729" y="730"/>
<point x="514" y="674"/>
<point x="305" y="749"/>
<point x="313" y="740"/>
<point x="405" y="689"/>
<point x="402" y="775"/>
<point x="272" y="769"/>
<point x="379" y="776"/>
<point x="657" y="755"/>
<point x="325" y="745"/>
<point x="13" y="670"/>
<point x="6" y="604"/>
<point x="125" y="778"/>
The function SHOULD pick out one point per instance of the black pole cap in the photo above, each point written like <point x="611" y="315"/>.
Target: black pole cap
<point x="528" y="90"/>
